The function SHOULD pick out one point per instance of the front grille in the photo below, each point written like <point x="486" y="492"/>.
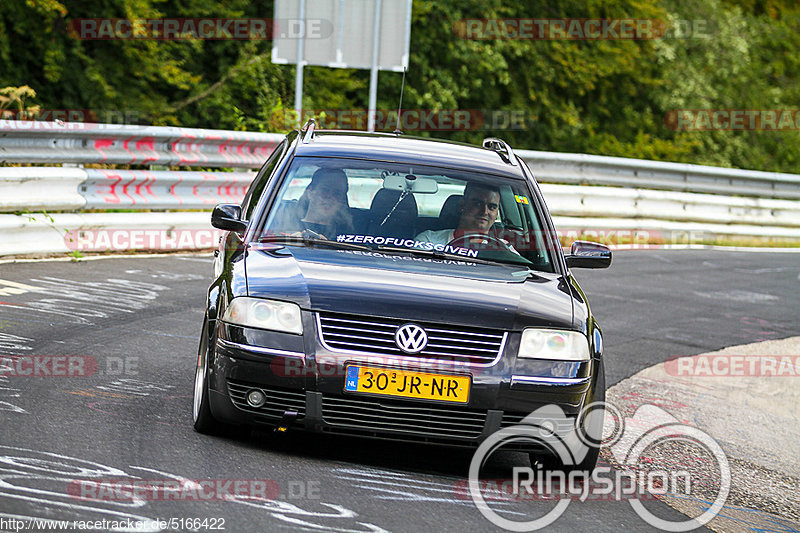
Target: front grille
<point x="278" y="400"/>
<point x="403" y="418"/>
<point x="373" y="335"/>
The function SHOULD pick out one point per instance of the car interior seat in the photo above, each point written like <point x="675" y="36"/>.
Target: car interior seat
<point x="449" y="216"/>
<point x="401" y="223"/>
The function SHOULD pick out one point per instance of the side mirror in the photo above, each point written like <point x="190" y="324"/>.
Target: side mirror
<point x="585" y="254"/>
<point x="228" y="217"/>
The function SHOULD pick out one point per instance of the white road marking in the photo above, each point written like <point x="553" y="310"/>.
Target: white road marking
<point x="396" y="486"/>
<point x="738" y="296"/>
<point x="26" y="464"/>
<point x="280" y="509"/>
<point x="14" y="287"/>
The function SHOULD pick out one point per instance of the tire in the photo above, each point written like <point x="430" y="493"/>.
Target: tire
<point x="588" y="464"/>
<point x="204" y="421"/>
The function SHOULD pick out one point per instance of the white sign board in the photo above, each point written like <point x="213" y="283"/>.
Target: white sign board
<point x="340" y="33"/>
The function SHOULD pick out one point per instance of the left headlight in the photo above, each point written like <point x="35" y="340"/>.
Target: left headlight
<point x="555" y="344"/>
<point x="264" y="314"/>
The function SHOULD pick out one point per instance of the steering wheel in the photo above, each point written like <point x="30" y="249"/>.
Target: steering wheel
<point x="483" y="236"/>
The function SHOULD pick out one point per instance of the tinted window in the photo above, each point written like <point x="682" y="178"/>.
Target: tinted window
<point x="415" y="207"/>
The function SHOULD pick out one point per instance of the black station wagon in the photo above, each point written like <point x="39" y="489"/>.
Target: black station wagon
<point x="393" y="287"/>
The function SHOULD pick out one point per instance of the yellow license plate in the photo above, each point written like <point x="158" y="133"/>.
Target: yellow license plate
<point x="407" y="384"/>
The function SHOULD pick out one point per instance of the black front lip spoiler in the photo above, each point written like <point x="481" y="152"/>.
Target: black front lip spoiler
<point x="535" y="383"/>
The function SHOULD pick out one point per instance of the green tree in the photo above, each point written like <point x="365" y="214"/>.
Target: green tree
<point x="610" y="97"/>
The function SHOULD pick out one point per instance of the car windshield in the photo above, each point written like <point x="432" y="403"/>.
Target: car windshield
<point x="400" y="208"/>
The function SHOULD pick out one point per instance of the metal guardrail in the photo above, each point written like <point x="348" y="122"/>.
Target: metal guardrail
<point x="617" y="202"/>
<point x="62" y="233"/>
<point x="588" y="169"/>
<point x="158" y="190"/>
<point x="72" y="189"/>
<point x="28" y="141"/>
<point x="585" y="193"/>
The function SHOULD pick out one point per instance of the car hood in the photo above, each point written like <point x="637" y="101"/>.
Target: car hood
<point x="408" y="287"/>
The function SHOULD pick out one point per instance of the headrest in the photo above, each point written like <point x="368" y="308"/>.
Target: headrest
<point x="449" y="215"/>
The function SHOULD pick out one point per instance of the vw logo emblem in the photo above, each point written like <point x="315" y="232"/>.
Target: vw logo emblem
<point x="411" y="338"/>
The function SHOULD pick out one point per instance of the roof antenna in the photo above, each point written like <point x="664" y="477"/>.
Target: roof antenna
<point x="400" y="105"/>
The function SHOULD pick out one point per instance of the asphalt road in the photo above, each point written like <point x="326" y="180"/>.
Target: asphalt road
<point x="130" y="328"/>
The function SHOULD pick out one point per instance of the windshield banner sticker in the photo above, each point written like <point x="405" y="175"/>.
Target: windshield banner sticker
<point x="407" y="243"/>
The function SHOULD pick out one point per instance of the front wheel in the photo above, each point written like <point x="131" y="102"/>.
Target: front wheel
<point x="204" y="421"/>
<point x="591" y="428"/>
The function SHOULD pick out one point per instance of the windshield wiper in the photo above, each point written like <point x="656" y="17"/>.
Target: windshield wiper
<point x="307" y="239"/>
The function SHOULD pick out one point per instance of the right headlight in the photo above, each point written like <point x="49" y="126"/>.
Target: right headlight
<point x="264" y="314"/>
<point x="557" y="344"/>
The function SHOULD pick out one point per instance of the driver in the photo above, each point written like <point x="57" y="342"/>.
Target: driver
<point x="478" y="211"/>
<point x="322" y="211"/>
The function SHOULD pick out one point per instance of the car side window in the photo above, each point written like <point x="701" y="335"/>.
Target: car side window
<point x="260" y="181"/>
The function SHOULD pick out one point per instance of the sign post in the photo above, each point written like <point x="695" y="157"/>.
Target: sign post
<point x="298" y="79"/>
<point x="362" y="34"/>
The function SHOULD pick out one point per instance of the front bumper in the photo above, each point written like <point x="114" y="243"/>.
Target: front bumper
<point x="303" y="382"/>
